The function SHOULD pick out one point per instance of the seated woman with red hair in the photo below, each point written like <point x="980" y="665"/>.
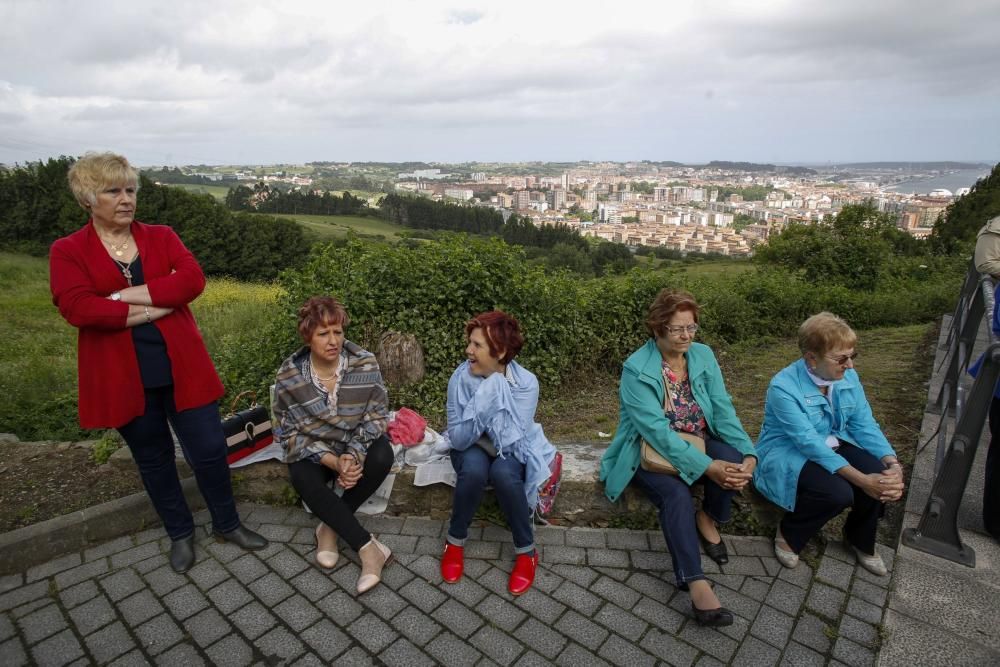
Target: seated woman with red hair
<point x="495" y="440"/>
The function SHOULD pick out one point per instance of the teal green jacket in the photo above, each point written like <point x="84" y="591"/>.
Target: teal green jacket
<point x="641" y="416"/>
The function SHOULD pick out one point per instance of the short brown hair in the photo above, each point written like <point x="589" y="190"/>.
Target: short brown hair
<point x="501" y="331"/>
<point x="666" y="304"/>
<point x="824" y="331"/>
<point x="320" y="310"/>
<point x="96" y="171"/>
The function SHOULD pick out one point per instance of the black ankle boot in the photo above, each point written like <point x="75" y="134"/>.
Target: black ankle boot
<point x="242" y="537"/>
<point x="182" y="554"/>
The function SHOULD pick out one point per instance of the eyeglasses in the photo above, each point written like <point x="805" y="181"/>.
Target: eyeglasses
<point x="691" y="329"/>
<point x="842" y="361"/>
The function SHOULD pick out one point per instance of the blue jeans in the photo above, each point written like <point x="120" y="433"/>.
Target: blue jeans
<point x="200" y="433"/>
<point x="475" y="468"/>
<point x="672" y="498"/>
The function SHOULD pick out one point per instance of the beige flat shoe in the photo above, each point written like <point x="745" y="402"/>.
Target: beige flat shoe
<point x="326" y="559"/>
<point x="873" y="563"/>
<point x="374" y="557"/>
<point x="787" y="558"/>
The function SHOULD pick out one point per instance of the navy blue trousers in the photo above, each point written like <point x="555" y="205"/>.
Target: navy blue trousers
<point x="200" y="433"/>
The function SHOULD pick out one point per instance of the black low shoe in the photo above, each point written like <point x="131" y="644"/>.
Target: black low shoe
<point x="716" y="551"/>
<point x="182" y="554"/>
<point x="242" y="537"/>
<point x="712" y="618"/>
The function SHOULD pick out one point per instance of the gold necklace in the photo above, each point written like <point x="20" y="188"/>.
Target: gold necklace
<point x="118" y="249"/>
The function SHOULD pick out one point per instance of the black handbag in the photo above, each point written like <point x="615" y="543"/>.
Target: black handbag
<point x="246" y="431"/>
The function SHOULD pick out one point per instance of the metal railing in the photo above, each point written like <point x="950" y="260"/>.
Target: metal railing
<point x="937" y="532"/>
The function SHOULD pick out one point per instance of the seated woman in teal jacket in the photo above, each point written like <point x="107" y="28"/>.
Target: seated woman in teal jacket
<point x="820" y="449"/>
<point x="673" y="385"/>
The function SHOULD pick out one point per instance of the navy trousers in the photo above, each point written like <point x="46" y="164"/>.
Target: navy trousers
<point x="200" y="433"/>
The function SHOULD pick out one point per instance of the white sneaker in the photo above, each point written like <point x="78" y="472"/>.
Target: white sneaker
<point x="787" y="558"/>
<point x="872" y="563"/>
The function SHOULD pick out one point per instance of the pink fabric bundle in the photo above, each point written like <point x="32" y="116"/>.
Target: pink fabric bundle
<point x="407" y="428"/>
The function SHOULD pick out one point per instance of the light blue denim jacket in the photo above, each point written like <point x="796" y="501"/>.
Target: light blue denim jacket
<point x="797" y="420"/>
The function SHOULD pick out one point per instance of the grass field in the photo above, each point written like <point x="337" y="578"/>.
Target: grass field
<point x="217" y="191"/>
<point x="325" y="227"/>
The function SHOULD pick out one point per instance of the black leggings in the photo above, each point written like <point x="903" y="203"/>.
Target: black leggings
<point x="311" y="480"/>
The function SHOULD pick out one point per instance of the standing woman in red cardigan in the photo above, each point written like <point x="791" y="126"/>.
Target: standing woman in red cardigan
<point x="142" y="364"/>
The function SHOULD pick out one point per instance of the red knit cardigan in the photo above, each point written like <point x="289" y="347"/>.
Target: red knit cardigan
<point x="82" y="275"/>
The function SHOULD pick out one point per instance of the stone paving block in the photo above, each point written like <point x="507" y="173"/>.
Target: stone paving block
<point x="114" y="546"/>
<point x="738" y="603"/>
<point x="326" y="640"/>
<point x="708" y="661"/>
<point x="555" y="553"/>
<point x="423" y="595"/>
<point x="356" y="657"/>
<point x="650" y="560"/>
<point x="42" y="623"/>
<point x="586" y="537"/>
<point x="501" y="613"/>
<point x="9" y="582"/>
<point x="835" y="549"/>
<point x="709" y="640"/>
<point x="738" y="630"/>
<point x="383" y="601"/>
<point x="229" y="596"/>
<point x="621" y="652"/>
<point x="279" y="644"/>
<point x="753" y="588"/>
<point x="163" y="580"/>
<point x="581" y="575"/>
<point x="159" y="634"/>
<point x="813" y="632"/>
<point x="573" y="655"/>
<point x="430" y="546"/>
<point x="133" y="658"/>
<point x="786" y="597"/>
<point x="466" y="591"/>
<point x="656" y="540"/>
<point x="578" y="598"/>
<point x="225" y="552"/>
<point x="297" y="612"/>
<point x="772" y="566"/>
<point x="340" y="608"/>
<point x="185" y="601"/>
<point x="457" y="618"/>
<point x="429" y="568"/>
<point x="495" y="579"/>
<point x="313" y="584"/>
<point x="413" y="525"/>
<point x="451" y="651"/>
<point x="835" y="572"/>
<point x="261" y="514"/>
<point x="121" y="584"/>
<point x="404" y="654"/>
<point x="181" y="655"/>
<point x="630" y="540"/>
<point x="57" y="649"/>
<point x="550" y="535"/>
<point x="745" y="565"/>
<point x="755" y="653"/>
<point x="858" y="631"/>
<point x="581" y="629"/>
<point x="93" y="615"/>
<point x="540" y="606"/>
<point x="611" y="590"/>
<point x="12" y="653"/>
<point x="826" y="600"/>
<point x="271" y="589"/>
<point x="797" y="655"/>
<point x="30" y="607"/>
<point x="148" y="535"/>
<point x="305" y="536"/>
<point x="494" y="533"/>
<point x="621" y="621"/>
<point x="6" y="628"/>
<point x="607" y="558"/>
<point x="416" y="626"/>
<point x="139" y="608"/>
<point x="616" y="573"/>
<point x="546" y="581"/>
<point x="668" y="648"/>
<point x="801" y="575"/>
<point x="287" y="564"/>
<point x="751" y="546"/>
<point x="134" y="555"/>
<point x="853" y="654"/>
<point x="478" y="549"/>
<point x="252" y="620"/>
<point x="403" y="543"/>
<point x="498" y="646"/>
<point x="372" y="632"/>
<point x="476" y="567"/>
<point x="230" y="651"/>
<point x="78" y="594"/>
<point x="208" y="573"/>
<point x="541" y="638"/>
<point x="869" y="592"/>
<point x="397" y="576"/>
<point x="658" y="615"/>
<point x="67" y="578"/>
<point x="648" y="586"/>
<point x="866" y="611"/>
<point x="382" y="524"/>
<point x="110" y="642"/>
<point x="54" y="566"/>
<point x="207" y="627"/>
<point x="773" y="626"/>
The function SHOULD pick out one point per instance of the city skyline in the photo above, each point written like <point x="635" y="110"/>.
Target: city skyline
<point x="778" y="82"/>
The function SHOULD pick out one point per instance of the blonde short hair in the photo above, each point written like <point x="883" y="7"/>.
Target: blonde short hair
<point x="824" y="331"/>
<point x="96" y="171"/>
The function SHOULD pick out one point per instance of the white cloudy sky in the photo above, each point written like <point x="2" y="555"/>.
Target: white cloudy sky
<point x="179" y="82"/>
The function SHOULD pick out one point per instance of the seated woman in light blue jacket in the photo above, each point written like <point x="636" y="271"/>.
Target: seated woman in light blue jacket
<point x="670" y="386"/>
<point x="820" y="449"/>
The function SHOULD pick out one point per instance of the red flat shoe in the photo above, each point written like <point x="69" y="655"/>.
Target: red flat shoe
<point x="523" y="573"/>
<point x="452" y="563"/>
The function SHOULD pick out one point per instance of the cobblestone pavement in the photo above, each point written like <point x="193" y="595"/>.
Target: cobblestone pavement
<point x="600" y="597"/>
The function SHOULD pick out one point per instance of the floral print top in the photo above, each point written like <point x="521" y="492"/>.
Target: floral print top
<point x="686" y="415"/>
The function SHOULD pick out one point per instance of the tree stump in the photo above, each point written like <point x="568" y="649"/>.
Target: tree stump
<point x="401" y="358"/>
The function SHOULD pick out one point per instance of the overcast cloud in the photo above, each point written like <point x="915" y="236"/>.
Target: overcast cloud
<point x="237" y="82"/>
